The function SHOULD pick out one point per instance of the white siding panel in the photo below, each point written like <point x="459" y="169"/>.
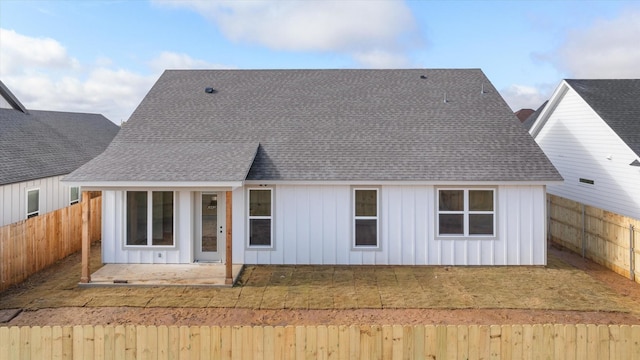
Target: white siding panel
<point x="53" y="196"/>
<point x="108" y="227"/>
<point x="329" y="226"/>
<point x="239" y="227"/>
<point x="315" y="225"/>
<point x="302" y="224"/>
<point x="408" y="226"/>
<point x="579" y="143"/>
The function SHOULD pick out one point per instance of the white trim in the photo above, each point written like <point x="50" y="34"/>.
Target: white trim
<point x="465" y="213"/>
<point x="26" y="209"/>
<point x="355" y="217"/>
<point x="149" y="222"/>
<point x="377" y="183"/>
<point x="553" y="102"/>
<point x="255" y="217"/>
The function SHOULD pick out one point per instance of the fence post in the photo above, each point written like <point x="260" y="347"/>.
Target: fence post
<point x="632" y="251"/>
<point x="85" y="276"/>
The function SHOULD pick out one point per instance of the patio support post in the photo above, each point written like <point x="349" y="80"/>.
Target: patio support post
<point x="228" y="279"/>
<point x="86" y="236"/>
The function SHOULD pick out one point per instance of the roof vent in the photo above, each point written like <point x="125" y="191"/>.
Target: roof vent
<point x="423" y="76"/>
<point x="210" y="90"/>
<point x="445" y="98"/>
<point x="482" y="89"/>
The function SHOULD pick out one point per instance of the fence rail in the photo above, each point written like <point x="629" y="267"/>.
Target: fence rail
<point x="31" y="245"/>
<point x="322" y="342"/>
<point x="606" y="238"/>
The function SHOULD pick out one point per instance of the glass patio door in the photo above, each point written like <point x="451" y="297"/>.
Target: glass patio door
<point x="210" y="232"/>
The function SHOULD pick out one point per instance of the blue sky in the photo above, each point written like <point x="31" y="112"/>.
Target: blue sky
<point x="103" y="56"/>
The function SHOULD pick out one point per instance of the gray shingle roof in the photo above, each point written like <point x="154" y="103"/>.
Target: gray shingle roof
<point x="617" y="102"/>
<point x="40" y="144"/>
<point x="528" y="123"/>
<point x="352" y="125"/>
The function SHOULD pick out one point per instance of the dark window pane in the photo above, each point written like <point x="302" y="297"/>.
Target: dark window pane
<point x="451" y="224"/>
<point x="260" y="232"/>
<point x="136" y="218"/>
<point x="260" y="202"/>
<point x="366" y="233"/>
<point x="480" y="200"/>
<point x="451" y="200"/>
<point x="162" y="218"/>
<point x="366" y="203"/>
<point x="480" y="224"/>
<point x="75" y="194"/>
<point x="33" y="201"/>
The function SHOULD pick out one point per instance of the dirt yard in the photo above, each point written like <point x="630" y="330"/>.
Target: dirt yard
<point x="615" y="300"/>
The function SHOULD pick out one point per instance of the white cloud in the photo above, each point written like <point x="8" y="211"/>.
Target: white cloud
<point x="607" y="49"/>
<point x="376" y="33"/>
<point x="525" y="97"/>
<point x="170" y="60"/>
<point x="21" y="52"/>
<point x="44" y="76"/>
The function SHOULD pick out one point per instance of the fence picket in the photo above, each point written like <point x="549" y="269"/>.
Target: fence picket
<point x="322" y="342"/>
<point x="31" y="245"/>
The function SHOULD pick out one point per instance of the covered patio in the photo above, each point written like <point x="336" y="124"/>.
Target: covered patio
<point x="195" y="274"/>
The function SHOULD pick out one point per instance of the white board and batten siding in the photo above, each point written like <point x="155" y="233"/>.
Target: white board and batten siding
<point x="581" y="145"/>
<point x="313" y="225"/>
<point x="53" y="195"/>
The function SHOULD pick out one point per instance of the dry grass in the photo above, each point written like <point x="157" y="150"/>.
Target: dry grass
<point x="558" y="286"/>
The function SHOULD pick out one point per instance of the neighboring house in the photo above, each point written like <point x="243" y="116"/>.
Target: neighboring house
<point x="590" y="129"/>
<point x="322" y="167"/>
<point x="523" y="114"/>
<point x="529" y="121"/>
<point x="37" y="148"/>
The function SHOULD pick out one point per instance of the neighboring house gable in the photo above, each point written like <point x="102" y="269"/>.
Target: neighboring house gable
<point x="412" y="166"/>
<point x="37" y="148"/>
<point x="591" y="132"/>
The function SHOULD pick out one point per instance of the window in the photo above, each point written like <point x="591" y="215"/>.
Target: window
<point x="260" y="217"/>
<point x="149" y="228"/>
<point x="466" y="212"/>
<point x="74" y="195"/>
<point x="33" y="203"/>
<point x="365" y="217"/>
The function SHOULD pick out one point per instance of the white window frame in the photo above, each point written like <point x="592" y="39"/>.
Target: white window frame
<point x="149" y="221"/>
<point x="466" y="212"/>
<point x="73" y="201"/>
<point x="261" y="217"/>
<point x="354" y="218"/>
<point x="26" y="210"/>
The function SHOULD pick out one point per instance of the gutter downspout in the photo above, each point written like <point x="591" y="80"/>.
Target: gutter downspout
<point x="632" y="265"/>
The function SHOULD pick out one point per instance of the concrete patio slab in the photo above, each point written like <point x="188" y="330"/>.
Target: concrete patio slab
<point x="199" y="274"/>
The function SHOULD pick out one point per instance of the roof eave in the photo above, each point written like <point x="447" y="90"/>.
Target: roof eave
<point x="121" y="185"/>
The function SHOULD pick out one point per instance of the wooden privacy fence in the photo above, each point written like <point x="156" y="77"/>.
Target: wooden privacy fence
<point x="607" y="238"/>
<point x="600" y="342"/>
<point x="33" y="244"/>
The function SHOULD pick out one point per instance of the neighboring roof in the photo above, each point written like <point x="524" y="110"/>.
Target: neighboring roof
<point x="528" y="122"/>
<point x="39" y="144"/>
<point x="11" y="99"/>
<point x="523" y="114"/>
<point x="326" y="125"/>
<point x="617" y="102"/>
